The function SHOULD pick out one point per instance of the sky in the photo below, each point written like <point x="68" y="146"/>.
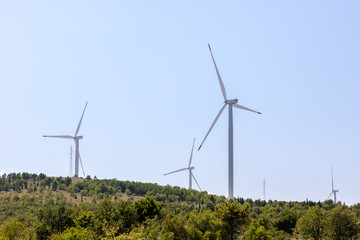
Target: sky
<point x="146" y="71"/>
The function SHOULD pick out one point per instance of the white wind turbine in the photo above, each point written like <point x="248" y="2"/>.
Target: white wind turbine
<point x="231" y="103"/>
<point x="76" y="139"/>
<point x="191" y="175"/>
<point x="333" y="191"/>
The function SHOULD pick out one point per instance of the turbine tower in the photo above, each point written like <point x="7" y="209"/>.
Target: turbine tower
<point x="76" y="138"/>
<point x="231" y="103"/>
<point x="191" y="175"/>
<point x="264" y="193"/>
<point x="71" y="152"/>
<point x="333" y="191"/>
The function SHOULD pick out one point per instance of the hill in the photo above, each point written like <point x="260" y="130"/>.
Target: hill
<point x="40" y="207"/>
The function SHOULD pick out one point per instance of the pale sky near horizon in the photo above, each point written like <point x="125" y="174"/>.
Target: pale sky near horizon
<point x="146" y="71"/>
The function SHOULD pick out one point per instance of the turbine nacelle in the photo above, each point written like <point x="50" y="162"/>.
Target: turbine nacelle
<point x="78" y="137"/>
<point x="231" y="101"/>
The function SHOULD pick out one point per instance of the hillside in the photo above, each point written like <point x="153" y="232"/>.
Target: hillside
<point x="40" y="207"/>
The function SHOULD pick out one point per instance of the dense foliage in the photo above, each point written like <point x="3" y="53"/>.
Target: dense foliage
<point x="39" y="207"/>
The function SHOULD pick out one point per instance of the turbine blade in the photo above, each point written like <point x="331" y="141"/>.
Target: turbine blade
<point x="196" y="181"/>
<point x="82" y="167"/>
<point x="176" y="171"/>
<point x="60" y="136"/>
<point x="78" y="127"/>
<point x="330" y="195"/>
<point x="245" y="108"/>
<point x="212" y="125"/>
<point x="192" y="150"/>
<point x="218" y="74"/>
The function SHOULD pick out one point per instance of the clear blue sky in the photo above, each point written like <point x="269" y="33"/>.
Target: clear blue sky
<point x="145" y="68"/>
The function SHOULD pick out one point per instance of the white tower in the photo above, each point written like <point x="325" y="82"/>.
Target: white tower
<point x="264" y="193"/>
<point x="71" y="152"/>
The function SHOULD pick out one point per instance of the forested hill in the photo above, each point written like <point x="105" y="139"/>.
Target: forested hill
<point x="93" y="190"/>
<point x="40" y="207"/>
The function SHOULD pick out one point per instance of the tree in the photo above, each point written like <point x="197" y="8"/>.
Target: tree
<point x="233" y="217"/>
<point x="75" y="233"/>
<point x="174" y="227"/>
<point x="42" y="176"/>
<point x="312" y="223"/>
<point x="85" y="219"/>
<point x="259" y="230"/>
<point x="256" y="232"/>
<point x="67" y="181"/>
<point x="106" y="212"/>
<point x="17" y="186"/>
<point x="55" y="185"/>
<point x="12" y="230"/>
<point x="286" y="223"/>
<point x="54" y="219"/>
<point x="147" y="208"/>
<point x="126" y="212"/>
<point x="341" y="224"/>
<point x="204" y="222"/>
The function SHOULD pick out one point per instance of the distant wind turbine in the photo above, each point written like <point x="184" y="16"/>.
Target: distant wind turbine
<point x="191" y="175"/>
<point x="333" y="191"/>
<point x="231" y="103"/>
<point x="76" y="139"/>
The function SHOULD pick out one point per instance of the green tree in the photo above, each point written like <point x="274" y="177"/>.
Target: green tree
<point x="12" y="230"/>
<point x="233" y="218"/>
<point x="173" y="227"/>
<point x="286" y="223"/>
<point x="256" y="232"/>
<point x="55" y="219"/>
<point x="341" y="224"/>
<point x="260" y="229"/>
<point x="42" y="176"/>
<point x="55" y="185"/>
<point x="75" y="234"/>
<point x="127" y="214"/>
<point x="106" y="211"/>
<point x="205" y="222"/>
<point x="17" y="186"/>
<point x="147" y="208"/>
<point x="6" y="186"/>
<point x="67" y="181"/>
<point x="312" y="223"/>
<point x="85" y="219"/>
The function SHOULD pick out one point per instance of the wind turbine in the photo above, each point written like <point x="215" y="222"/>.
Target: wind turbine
<point x="231" y="103"/>
<point x="333" y="191"/>
<point x="76" y="139"/>
<point x="191" y="175"/>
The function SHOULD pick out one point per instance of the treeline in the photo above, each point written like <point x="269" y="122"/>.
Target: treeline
<point x="41" y="207"/>
<point x="104" y="188"/>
